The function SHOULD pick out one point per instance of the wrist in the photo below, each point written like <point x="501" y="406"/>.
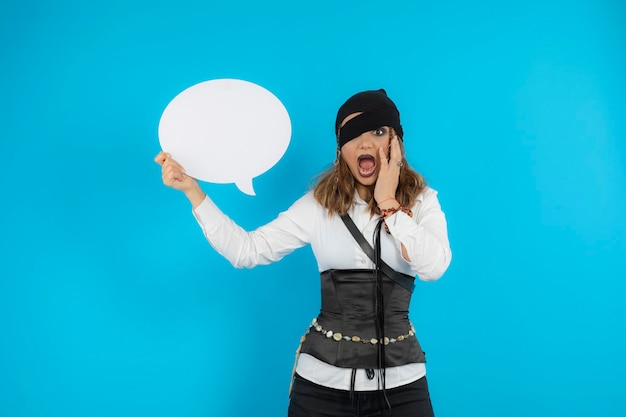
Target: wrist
<point x="387" y="203"/>
<point x="195" y="195"/>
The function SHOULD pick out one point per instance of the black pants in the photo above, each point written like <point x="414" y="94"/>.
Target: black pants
<point x="312" y="400"/>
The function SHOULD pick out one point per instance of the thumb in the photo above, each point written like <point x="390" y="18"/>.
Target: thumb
<point x="161" y="157"/>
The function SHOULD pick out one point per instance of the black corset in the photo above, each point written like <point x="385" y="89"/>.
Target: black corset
<point x="349" y="308"/>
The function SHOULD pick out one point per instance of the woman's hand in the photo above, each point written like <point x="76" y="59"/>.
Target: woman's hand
<point x="388" y="175"/>
<point x="174" y="176"/>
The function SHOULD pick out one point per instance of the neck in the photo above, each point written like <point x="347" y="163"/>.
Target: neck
<point x="364" y="192"/>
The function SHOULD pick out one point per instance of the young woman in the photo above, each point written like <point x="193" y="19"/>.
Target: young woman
<point x="373" y="226"/>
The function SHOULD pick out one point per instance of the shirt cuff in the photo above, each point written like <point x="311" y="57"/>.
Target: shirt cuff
<point x="398" y="224"/>
<point x="207" y="212"/>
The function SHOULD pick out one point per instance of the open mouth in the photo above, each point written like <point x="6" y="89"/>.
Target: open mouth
<point x="367" y="165"/>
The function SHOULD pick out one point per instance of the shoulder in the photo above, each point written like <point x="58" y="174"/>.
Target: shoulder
<point x="427" y="195"/>
<point x="306" y="213"/>
<point x="307" y="200"/>
<point x="304" y="206"/>
<point x="426" y="203"/>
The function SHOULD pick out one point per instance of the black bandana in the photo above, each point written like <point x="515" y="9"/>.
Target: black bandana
<point x="377" y="111"/>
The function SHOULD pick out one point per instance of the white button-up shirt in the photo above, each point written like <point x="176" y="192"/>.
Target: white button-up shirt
<point x="424" y="237"/>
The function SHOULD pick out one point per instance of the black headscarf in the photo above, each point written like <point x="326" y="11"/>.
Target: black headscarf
<point x="376" y="110"/>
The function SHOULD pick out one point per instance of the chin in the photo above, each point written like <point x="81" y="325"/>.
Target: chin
<point x="368" y="180"/>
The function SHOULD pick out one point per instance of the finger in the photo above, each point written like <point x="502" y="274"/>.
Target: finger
<point x="167" y="175"/>
<point x="171" y="179"/>
<point x="172" y="172"/>
<point x="383" y="157"/>
<point x="396" y="152"/>
<point x="159" y="159"/>
<point x="169" y="162"/>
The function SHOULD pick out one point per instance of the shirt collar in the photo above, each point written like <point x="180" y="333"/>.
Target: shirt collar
<point x="358" y="200"/>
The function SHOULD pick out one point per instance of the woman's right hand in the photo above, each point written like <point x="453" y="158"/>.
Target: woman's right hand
<point x="174" y="176"/>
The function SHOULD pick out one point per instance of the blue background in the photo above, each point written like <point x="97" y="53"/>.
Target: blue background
<point x="112" y="303"/>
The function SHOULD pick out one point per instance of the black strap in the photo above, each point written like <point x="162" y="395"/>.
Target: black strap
<point x="404" y="280"/>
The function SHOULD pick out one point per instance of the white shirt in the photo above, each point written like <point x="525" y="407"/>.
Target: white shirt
<point x="424" y="237"/>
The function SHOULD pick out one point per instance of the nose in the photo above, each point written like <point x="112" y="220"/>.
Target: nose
<point x="364" y="142"/>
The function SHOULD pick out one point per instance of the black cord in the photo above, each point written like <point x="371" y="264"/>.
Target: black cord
<point x="380" y="315"/>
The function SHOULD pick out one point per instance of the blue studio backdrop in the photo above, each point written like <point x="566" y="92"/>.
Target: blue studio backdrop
<point x="113" y="304"/>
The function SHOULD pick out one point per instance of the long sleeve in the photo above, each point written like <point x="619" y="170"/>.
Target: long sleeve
<point x="424" y="236"/>
<point x="269" y="243"/>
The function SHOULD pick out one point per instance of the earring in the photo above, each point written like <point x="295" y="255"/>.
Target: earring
<point x="337" y="155"/>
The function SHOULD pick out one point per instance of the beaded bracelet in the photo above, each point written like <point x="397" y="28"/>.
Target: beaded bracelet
<point x="388" y="212"/>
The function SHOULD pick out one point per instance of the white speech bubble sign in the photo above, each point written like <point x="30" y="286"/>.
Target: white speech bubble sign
<point x="225" y="131"/>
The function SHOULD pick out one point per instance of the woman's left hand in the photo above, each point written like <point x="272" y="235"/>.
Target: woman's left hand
<point x="389" y="173"/>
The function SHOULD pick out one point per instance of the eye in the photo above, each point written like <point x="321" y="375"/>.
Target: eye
<point x="380" y="131"/>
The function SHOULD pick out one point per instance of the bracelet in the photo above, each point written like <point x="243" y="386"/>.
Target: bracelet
<point x="386" y="199"/>
<point x="388" y="212"/>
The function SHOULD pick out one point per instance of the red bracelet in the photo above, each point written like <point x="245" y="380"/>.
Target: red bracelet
<point x="386" y="199"/>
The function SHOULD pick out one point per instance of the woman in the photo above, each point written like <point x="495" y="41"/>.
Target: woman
<point x="373" y="226"/>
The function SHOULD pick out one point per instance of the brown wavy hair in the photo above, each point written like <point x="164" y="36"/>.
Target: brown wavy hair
<point x="334" y="188"/>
